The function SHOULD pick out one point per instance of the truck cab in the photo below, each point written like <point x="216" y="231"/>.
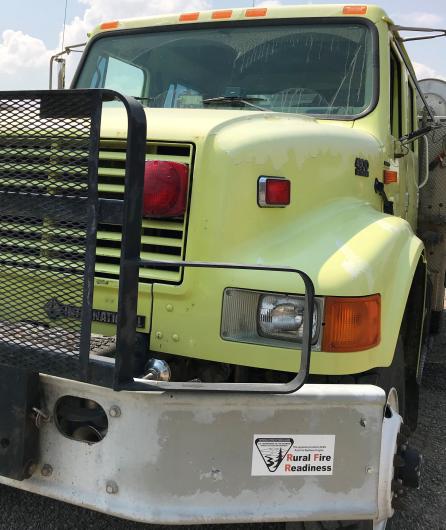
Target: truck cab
<point x="226" y="96"/>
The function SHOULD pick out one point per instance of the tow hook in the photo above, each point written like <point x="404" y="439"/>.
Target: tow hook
<point x="407" y="463"/>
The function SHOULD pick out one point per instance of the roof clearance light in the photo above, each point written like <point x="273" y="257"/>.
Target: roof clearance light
<point x="352" y="324"/>
<point x="259" y="12"/>
<point x="390" y="177"/>
<point x="110" y="25"/>
<point x="227" y="13"/>
<point x="273" y="192"/>
<point x="189" y="17"/>
<point x="355" y="10"/>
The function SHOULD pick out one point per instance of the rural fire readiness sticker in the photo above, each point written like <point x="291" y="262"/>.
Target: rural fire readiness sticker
<point x="292" y="454"/>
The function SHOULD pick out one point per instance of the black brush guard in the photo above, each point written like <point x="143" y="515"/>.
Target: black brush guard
<point x="49" y="213"/>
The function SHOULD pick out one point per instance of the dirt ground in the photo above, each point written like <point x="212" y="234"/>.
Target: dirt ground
<point x="426" y="508"/>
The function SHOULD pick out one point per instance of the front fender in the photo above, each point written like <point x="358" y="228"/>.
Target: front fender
<point x="371" y="253"/>
<point x="348" y="249"/>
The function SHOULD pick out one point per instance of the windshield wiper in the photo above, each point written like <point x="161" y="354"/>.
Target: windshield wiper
<point x="247" y="101"/>
<point x="140" y="98"/>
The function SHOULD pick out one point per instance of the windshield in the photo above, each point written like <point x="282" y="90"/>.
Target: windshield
<point x="318" y="69"/>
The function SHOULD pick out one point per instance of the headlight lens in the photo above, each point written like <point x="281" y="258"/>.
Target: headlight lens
<point x="281" y="317"/>
<point x="267" y="318"/>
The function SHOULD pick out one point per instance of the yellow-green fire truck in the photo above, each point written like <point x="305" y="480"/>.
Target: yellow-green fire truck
<point x="220" y="252"/>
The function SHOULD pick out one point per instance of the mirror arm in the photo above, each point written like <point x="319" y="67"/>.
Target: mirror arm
<point x="411" y="137"/>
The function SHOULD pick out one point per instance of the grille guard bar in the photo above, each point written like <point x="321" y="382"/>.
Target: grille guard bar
<point x="126" y="333"/>
<point x="49" y="214"/>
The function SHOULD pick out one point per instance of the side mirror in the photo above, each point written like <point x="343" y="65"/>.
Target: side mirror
<point x="423" y="161"/>
<point x="61" y="62"/>
<point x="61" y="68"/>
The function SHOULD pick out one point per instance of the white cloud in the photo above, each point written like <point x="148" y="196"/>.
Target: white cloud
<point x="424" y="71"/>
<point x="269" y="3"/>
<point x="98" y="11"/>
<point x="421" y="19"/>
<point x="24" y="60"/>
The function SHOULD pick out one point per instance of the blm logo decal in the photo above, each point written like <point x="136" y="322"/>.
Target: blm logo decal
<point x="292" y="455"/>
<point x="273" y="450"/>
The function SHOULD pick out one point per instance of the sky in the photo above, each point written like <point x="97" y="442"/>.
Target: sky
<point x="31" y="30"/>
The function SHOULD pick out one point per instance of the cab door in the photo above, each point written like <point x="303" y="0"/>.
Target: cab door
<point x="397" y="164"/>
<point x="402" y="189"/>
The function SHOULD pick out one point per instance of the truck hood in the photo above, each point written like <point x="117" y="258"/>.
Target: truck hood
<point x="195" y="125"/>
<point x="325" y="161"/>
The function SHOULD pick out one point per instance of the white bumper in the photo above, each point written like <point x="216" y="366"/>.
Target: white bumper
<point x="189" y="458"/>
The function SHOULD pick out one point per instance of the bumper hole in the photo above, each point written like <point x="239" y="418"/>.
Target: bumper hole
<point x="81" y="419"/>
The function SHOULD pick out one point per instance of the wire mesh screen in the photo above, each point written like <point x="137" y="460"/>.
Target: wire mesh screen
<point x="48" y="203"/>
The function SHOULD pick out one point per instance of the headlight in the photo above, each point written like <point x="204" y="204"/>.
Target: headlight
<point x="267" y="318"/>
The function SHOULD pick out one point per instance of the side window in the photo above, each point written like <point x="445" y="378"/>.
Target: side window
<point x="97" y="78"/>
<point x="412" y="114"/>
<point x="396" y="118"/>
<point x="124" y="77"/>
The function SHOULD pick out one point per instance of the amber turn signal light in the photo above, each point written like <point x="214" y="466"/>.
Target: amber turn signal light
<point x="352" y="324"/>
<point x="390" y="177"/>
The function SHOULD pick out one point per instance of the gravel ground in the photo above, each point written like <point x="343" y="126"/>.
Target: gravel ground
<point x="426" y="508"/>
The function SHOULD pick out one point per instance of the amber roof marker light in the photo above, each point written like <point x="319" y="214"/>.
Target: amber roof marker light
<point x="225" y="13"/>
<point x="256" y="12"/>
<point x="114" y="24"/>
<point x="355" y="10"/>
<point x="189" y="17"/>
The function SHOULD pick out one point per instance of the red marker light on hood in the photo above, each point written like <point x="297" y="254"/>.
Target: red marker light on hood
<point x="273" y="192"/>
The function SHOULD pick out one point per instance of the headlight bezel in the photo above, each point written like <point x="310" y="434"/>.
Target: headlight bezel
<point x="240" y="318"/>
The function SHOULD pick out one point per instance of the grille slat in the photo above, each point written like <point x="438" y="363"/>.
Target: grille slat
<point x="116" y="253"/>
<point x="42" y="262"/>
<point x="118" y="189"/>
<point x="155" y="224"/>
<point x="112" y="171"/>
<point x="107" y="270"/>
<point x="145" y="240"/>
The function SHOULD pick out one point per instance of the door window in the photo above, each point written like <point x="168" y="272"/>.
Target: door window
<point x="396" y="118"/>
